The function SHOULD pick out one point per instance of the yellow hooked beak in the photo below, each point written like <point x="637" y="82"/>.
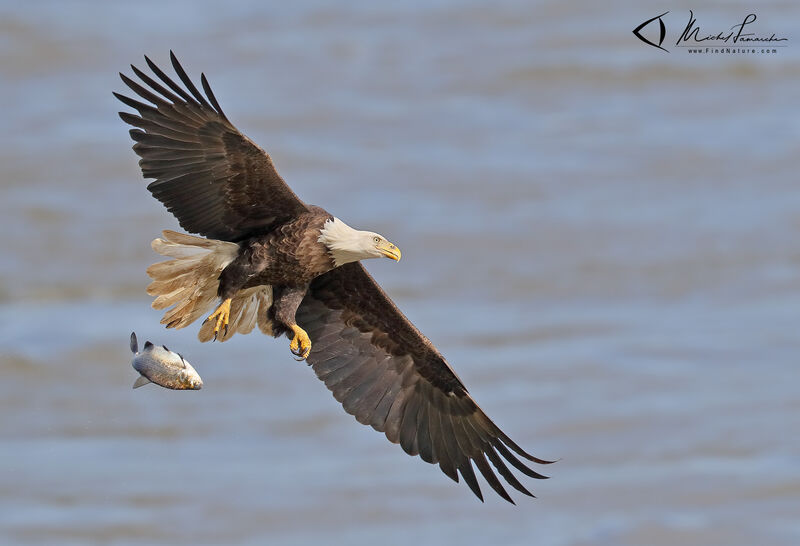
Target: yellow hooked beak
<point x="390" y="251"/>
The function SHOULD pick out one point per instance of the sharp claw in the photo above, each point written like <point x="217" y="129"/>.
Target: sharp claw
<point x="300" y="354"/>
<point x="221" y="315"/>
<point x="300" y="346"/>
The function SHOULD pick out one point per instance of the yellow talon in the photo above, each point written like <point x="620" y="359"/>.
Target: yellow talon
<point x="301" y="343"/>
<point x="222" y="315"/>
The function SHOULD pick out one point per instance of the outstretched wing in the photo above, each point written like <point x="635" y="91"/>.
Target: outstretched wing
<point x="388" y="375"/>
<point x="215" y="180"/>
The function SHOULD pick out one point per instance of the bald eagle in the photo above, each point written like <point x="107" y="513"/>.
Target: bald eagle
<point x="290" y="268"/>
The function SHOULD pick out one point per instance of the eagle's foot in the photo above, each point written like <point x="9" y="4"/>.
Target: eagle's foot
<point x="301" y="343"/>
<point x="222" y="315"/>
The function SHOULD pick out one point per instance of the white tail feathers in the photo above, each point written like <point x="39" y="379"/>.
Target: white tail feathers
<point x="188" y="284"/>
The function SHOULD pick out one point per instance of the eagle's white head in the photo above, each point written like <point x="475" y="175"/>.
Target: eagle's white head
<point x="350" y="245"/>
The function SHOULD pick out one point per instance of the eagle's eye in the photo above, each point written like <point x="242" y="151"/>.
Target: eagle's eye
<point x="376" y="239"/>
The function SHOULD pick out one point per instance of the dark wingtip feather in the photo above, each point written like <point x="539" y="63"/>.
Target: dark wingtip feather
<point x="483" y="467"/>
<point x="142" y="92"/>
<point x="516" y="463"/>
<point x="132" y="103"/>
<point x="211" y="97"/>
<point x="130" y="119"/>
<point x="187" y="81"/>
<point x="170" y="83"/>
<point x="521" y="452"/>
<point x="469" y="476"/>
<point x="505" y="472"/>
<point x="493" y="430"/>
<point x="155" y="85"/>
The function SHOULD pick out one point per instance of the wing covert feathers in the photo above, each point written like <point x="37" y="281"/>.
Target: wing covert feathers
<point x="389" y="376"/>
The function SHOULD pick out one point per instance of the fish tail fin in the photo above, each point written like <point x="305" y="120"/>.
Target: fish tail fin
<point x="140" y="382"/>
<point x="188" y="283"/>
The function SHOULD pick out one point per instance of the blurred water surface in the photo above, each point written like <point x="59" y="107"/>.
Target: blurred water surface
<point x="601" y="238"/>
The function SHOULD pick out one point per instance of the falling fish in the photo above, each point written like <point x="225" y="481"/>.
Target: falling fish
<point x="159" y="365"/>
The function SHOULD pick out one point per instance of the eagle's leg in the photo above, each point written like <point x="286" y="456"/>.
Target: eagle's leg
<point x="285" y="303"/>
<point x="247" y="264"/>
<point x="221" y="315"/>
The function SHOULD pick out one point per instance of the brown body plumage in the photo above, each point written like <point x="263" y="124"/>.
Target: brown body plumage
<point x="291" y="268"/>
<point x="291" y="255"/>
<point x="287" y="258"/>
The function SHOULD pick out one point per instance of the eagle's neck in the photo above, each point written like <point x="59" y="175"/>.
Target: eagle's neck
<point x="344" y="243"/>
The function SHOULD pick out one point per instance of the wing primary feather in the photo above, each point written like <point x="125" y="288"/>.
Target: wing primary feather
<point x="458" y="445"/>
<point x="163" y="142"/>
<point x="485" y="469"/>
<point x="176" y="120"/>
<point x="462" y="443"/>
<point x="155" y="85"/>
<point x="449" y="454"/>
<point x="516" y="462"/>
<point x="194" y="113"/>
<point x="211" y="97"/>
<point x="472" y="481"/>
<point x="440" y="452"/>
<point x="510" y="443"/>
<point x="142" y="92"/>
<point x="495" y="430"/>
<point x="505" y="472"/>
<point x="167" y="80"/>
<point x="187" y="81"/>
<point x="133" y="103"/>
<point x="155" y="128"/>
<point x="131" y="119"/>
<point x="480" y="436"/>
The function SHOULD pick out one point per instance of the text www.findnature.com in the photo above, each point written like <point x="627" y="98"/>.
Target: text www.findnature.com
<point x="734" y="50"/>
